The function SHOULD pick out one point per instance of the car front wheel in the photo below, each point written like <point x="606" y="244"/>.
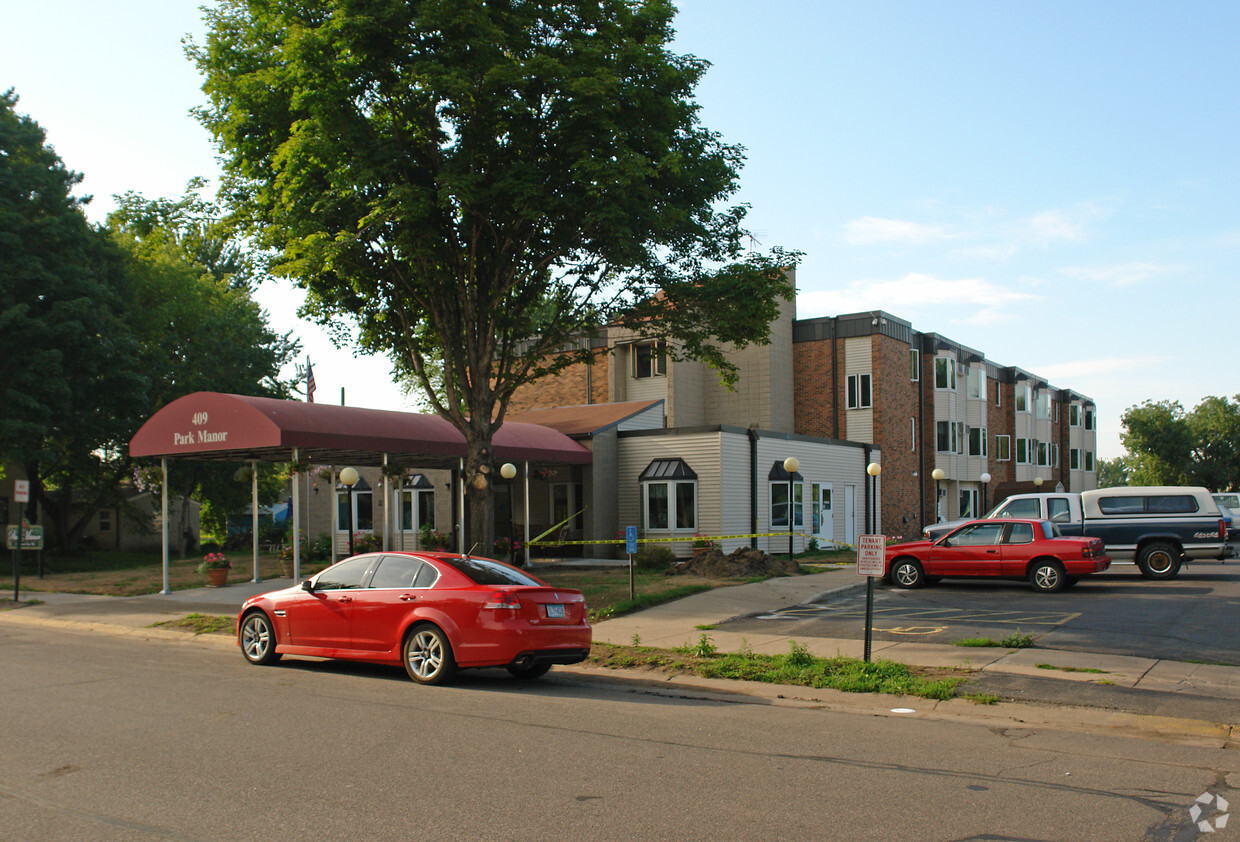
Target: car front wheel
<point x="1159" y="560"/>
<point x="907" y="573"/>
<point x="258" y="639"/>
<point x="1047" y="576"/>
<point x="427" y="656"/>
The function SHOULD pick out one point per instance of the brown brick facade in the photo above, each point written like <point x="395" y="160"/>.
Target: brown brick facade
<point x="571" y="387"/>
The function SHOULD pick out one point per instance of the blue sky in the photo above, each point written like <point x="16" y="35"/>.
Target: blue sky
<point x="1051" y="183"/>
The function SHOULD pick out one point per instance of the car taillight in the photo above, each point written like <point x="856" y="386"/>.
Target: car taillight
<point x="503" y="599"/>
<point x="1222" y="530"/>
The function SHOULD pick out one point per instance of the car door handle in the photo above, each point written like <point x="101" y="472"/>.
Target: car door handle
<point x="345" y="599"/>
<point x="407" y="597"/>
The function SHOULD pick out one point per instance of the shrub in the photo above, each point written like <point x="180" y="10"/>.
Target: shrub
<point x="654" y="558"/>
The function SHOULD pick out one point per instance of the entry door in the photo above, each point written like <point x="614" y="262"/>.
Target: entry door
<point x="824" y="515"/>
<point x="850" y="515"/>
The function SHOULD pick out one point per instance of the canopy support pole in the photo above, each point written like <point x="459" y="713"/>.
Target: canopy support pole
<point x="296" y="526"/>
<point x="527" y="514"/>
<point x="163" y="518"/>
<point x="387" y="507"/>
<point x="254" y="516"/>
<point x="460" y="512"/>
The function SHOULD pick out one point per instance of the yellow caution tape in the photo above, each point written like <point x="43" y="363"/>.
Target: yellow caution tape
<point x="536" y="541"/>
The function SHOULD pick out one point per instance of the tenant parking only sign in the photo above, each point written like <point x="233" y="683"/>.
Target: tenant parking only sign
<point x="871" y="552"/>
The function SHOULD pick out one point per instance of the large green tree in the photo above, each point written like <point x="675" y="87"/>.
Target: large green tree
<point x="69" y="388"/>
<point x="1168" y="446"/>
<point x="475" y="183"/>
<point x="100" y="328"/>
<point x="199" y="329"/>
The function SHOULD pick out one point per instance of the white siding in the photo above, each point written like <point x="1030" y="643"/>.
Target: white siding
<point x="858" y="359"/>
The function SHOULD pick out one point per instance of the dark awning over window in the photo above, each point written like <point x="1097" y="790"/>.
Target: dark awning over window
<point x="778" y="474"/>
<point x="667" y="469"/>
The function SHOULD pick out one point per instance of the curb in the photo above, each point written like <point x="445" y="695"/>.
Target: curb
<point x="1180" y="731"/>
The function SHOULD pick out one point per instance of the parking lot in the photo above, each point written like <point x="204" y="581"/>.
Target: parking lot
<point x="1194" y="617"/>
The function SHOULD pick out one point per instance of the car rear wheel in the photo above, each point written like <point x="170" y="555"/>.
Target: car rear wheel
<point x="1047" y="576"/>
<point x="258" y="639"/>
<point x="1159" y="560"/>
<point x="427" y="655"/>
<point x="907" y="573"/>
<point x="528" y="671"/>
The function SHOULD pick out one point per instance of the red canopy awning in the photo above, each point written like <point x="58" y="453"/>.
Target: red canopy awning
<point x="210" y="425"/>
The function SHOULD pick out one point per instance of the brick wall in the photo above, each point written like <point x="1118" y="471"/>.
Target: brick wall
<point x="895" y="405"/>
<point x="568" y="388"/>
<point x="814" y="394"/>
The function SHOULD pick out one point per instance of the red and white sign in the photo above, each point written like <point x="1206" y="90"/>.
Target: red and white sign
<point x="872" y="555"/>
<point x="21" y="491"/>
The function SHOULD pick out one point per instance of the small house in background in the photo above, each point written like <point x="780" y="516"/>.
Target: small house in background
<point x="136" y="526"/>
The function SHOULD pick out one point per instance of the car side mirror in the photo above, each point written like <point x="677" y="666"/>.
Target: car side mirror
<point x="307" y="585"/>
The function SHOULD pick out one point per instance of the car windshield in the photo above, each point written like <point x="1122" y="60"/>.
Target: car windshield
<point x="484" y="572"/>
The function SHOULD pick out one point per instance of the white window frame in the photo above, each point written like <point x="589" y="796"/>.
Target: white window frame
<point x="658" y="359"/>
<point x="977" y="435"/>
<point x="413" y="499"/>
<point x="672" y="505"/>
<point x="1074" y="458"/>
<point x="798" y="503"/>
<point x="860" y="394"/>
<point x="947" y="367"/>
<point x="976" y="382"/>
<point x="914" y="358"/>
<point x="1003" y="448"/>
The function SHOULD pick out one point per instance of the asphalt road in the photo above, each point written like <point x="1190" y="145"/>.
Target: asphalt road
<point x="1194" y="617"/>
<point x="120" y="738"/>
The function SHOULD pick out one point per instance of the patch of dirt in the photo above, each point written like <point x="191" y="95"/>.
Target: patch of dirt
<point x="741" y="563"/>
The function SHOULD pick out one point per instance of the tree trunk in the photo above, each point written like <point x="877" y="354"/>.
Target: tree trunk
<point x="479" y="493"/>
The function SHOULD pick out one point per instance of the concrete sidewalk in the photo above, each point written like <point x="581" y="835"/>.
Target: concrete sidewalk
<point x="684" y="622"/>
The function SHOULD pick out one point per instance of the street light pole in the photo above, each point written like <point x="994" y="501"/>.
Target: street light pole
<point x="873" y="470"/>
<point x="791" y="465"/>
<point x="985" y="478"/>
<point x="938" y="475"/>
<point x="508" y="471"/>
<point x="348" y="478"/>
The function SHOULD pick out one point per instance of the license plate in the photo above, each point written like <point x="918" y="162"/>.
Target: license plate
<point x="555" y="609"/>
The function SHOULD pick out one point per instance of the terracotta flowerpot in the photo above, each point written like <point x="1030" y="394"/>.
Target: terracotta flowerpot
<point x="217" y="577"/>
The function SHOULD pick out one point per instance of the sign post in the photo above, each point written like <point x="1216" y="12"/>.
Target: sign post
<point x="21" y="494"/>
<point x="871" y="562"/>
<point x="630" y="547"/>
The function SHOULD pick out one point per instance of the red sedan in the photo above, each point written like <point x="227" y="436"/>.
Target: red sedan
<point x="1016" y="549"/>
<point x="434" y="613"/>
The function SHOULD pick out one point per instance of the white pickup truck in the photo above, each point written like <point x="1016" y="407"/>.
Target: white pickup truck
<point x="1159" y="528"/>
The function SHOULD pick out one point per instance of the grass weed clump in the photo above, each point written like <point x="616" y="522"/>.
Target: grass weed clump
<point x="797" y="668"/>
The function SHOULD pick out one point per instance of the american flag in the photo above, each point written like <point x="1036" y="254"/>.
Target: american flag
<point x="309" y="381"/>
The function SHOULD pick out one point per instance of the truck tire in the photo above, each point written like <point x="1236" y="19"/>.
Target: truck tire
<point x="1159" y="560"/>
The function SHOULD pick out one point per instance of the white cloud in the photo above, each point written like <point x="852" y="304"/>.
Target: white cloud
<point x="869" y="230"/>
<point x="984" y="235"/>
<point x="989" y="302"/>
<point x="1120" y="274"/>
<point x="1057" y="226"/>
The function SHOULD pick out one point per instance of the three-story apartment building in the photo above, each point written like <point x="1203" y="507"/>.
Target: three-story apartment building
<point x="954" y="431"/>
